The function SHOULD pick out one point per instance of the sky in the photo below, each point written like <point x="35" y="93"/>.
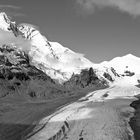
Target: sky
<point x="100" y="29"/>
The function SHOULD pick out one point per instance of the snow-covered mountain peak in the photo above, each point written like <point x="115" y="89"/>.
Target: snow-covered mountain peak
<point x="52" y="58"/>
<point x="127" y="65"/>
<point x="127" y="59"/>
<point x="55" y="60"/>
<point x="130" y="56"/>
<point x="4" y="21"/>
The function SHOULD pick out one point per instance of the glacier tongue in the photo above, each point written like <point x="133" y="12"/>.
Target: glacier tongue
<point x="91" y="117"/>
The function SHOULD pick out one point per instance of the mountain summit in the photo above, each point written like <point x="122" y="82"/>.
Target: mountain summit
<point x="125" y="63"/>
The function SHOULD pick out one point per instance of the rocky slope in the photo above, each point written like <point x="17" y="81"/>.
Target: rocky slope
<point x="87" y="79"/>
<point x="18" y="77"/>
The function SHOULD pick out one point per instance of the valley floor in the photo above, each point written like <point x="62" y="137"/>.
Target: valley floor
<point x="98" y="116"/>
<point x="18" y="116"/>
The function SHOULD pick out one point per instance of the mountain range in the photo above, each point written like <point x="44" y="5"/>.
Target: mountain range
<point x="26" y="54"/>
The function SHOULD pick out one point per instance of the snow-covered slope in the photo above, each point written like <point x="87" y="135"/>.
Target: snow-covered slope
<point x="60" y="62"/>
<point x="55" y="60"/>
<point x="128" y="67"/>
<point x="125" y="63"/>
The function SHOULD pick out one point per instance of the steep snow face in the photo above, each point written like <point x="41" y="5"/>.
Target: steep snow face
<point x="4" y="22"/>
<point x="52" y="54"/>
<point x="64" y="61"/>
<point x="52" y="58"/>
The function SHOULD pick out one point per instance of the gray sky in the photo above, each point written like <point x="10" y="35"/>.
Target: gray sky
<point x="100" y="29"/>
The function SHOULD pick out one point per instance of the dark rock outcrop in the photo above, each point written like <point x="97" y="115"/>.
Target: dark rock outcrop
<point x="86" y="79"/>
<point x="107" y="76"/>
<point x="129" y="73"/>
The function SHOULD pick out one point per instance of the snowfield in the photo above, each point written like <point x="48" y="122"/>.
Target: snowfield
<point x="101" y="115"/>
